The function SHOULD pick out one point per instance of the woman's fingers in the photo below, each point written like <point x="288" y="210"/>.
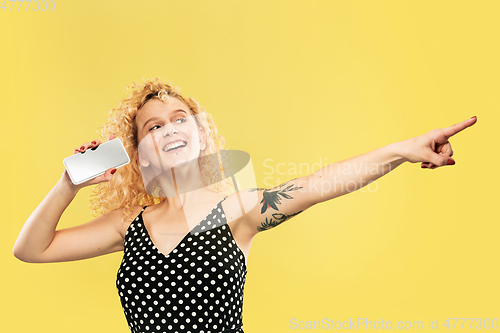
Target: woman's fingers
<point x="454" y="129"/>
<point x="428" y="165"/>
<point x="441" y="146"/>
<point x="445" y="149"/>
<point x="83" y="147"/>
<point x="442" y="149"/>
<point x="106" y="177"/>
<point x="87" y="145"/>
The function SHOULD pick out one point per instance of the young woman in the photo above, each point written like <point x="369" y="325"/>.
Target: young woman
<point x="186" y="238"/>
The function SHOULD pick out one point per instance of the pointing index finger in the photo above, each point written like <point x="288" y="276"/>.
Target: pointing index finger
<point x="454" y="129"/>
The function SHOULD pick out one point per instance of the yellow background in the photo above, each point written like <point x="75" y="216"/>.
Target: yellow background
<point x="289" y="82"/>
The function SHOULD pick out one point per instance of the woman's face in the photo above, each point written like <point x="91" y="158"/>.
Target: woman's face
<point x="159" y="124"/>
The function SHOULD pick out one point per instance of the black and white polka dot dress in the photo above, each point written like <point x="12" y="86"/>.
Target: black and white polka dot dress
<point x="197" y="287"/>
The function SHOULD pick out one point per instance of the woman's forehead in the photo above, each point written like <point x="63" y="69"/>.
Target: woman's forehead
<point x="158" y="107"/>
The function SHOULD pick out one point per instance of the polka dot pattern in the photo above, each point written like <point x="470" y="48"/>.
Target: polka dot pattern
<point x="197" y="287"/>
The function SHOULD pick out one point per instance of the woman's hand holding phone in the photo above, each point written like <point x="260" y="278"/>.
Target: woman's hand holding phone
<point x="99" y="179"/>
<point x="40" y="242"/>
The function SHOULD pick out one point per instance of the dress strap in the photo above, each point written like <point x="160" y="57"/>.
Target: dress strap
<point x="143" y="208"/>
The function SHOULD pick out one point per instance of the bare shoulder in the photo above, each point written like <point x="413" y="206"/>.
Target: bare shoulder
<point x="122" y="221"/>
<point x="260" y="209"/>
<point x="237" y="205"/>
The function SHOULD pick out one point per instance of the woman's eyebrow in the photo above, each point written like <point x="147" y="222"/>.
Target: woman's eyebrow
<point x="155" y="118"/>
<point x="149" y="120"/>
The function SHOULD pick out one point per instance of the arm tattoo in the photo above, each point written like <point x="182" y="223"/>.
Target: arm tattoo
<point x="272" y="198"/>
<point x="280" y="218"/>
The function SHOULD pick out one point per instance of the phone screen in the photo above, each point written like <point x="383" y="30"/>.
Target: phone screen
<point x="94" y="162"/>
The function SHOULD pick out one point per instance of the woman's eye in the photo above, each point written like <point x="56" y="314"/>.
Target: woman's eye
<point x="180" y="121"/>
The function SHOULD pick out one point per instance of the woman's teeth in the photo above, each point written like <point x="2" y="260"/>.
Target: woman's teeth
<point x="174" y="145"/>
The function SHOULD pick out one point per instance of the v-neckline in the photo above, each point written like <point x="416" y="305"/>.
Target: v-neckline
<point x="183" y="238"/>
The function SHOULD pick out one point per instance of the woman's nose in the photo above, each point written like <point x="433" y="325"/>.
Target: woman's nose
<point x="169" y="129"/>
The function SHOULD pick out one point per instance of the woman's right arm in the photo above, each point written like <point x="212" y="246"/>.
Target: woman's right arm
<point x="40" y="242"/>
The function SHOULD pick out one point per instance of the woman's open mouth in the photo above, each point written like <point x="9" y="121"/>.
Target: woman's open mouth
<point x="175" y="146"/>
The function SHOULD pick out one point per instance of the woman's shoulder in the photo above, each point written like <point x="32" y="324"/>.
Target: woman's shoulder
<point x="123" y="220"/>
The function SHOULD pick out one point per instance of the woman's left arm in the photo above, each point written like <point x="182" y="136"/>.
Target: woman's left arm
<point x="432" y="149"/>
<point x="283" y="202"/>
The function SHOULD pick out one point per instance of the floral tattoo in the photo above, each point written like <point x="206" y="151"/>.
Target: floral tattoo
<point x="271" y="199"/>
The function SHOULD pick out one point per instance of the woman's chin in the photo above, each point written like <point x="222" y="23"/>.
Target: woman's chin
<point x="178" y="164"/>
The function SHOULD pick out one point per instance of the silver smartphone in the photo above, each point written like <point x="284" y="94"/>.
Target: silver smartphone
<point x="95" y="161"/>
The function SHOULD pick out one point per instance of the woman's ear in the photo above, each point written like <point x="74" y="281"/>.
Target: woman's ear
<point x="143" y="162"/>
<point x="203" y="139"/>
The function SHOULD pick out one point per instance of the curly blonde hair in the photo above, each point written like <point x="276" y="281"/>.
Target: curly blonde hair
<point x="126" y="188"/>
